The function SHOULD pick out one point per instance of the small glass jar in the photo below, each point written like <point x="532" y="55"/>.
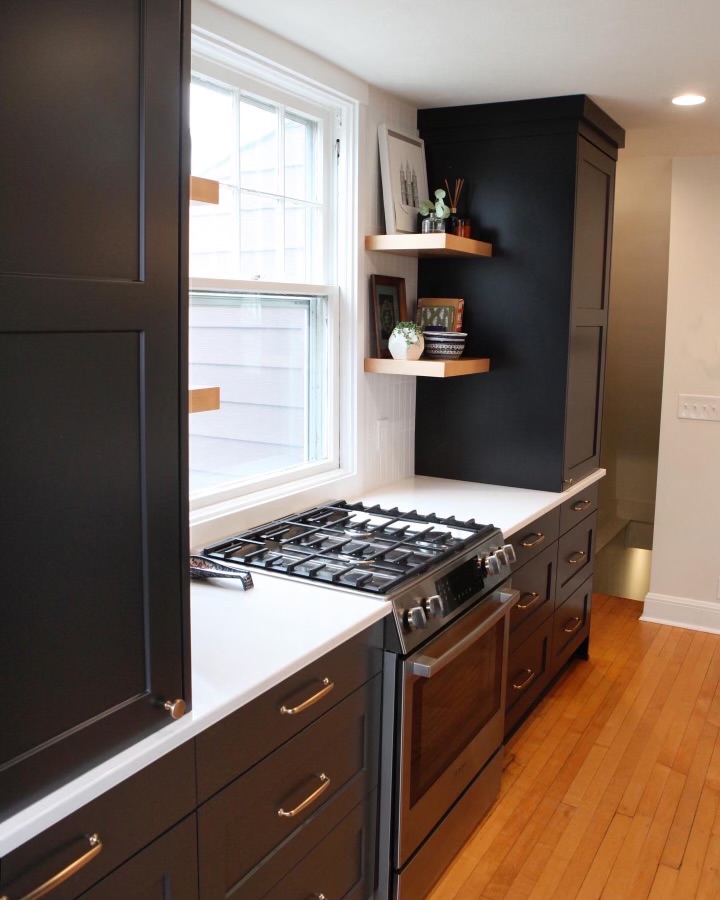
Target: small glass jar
<point x="432" y="224"/>
<point x="464" y="228"/>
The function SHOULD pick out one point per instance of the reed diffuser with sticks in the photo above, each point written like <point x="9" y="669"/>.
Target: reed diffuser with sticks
<point x="454" y="200"/>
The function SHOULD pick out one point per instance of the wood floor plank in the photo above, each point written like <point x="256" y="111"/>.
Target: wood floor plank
<point x="611" y="788"/>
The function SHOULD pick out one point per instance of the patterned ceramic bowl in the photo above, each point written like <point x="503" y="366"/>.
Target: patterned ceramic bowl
<point x="444" y="345"/>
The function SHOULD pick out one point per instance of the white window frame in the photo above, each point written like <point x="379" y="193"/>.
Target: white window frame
<point x="315" y="482"/>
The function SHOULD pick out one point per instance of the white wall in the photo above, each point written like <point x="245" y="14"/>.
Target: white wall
<point x="686" y="550"/>
<point x="636" y="339"/>
<point x="384" y="452"/>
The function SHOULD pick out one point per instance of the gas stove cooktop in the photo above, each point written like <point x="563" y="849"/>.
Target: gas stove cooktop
<point x="351" y="545"/>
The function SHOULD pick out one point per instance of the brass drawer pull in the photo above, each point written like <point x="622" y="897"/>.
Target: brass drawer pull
<point x="539" y="538"/>
<point x="534" y="597"/>
<point x="50" y="885"/>
<point x="576" y="557"/>
<point x="294" y="710"/>
<point x="580" y="505"/>
<point x="578" y="623"/>
<point x="520" y="686"/>
<point x="307" y="801"/>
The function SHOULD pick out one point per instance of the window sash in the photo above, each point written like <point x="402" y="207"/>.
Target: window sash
<point x="323" y="430"/>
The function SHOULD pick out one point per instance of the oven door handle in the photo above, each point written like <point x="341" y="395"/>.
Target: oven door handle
<point x="427" y="666"/>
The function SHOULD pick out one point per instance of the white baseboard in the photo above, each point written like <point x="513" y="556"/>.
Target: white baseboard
<point x="698" y="615"/>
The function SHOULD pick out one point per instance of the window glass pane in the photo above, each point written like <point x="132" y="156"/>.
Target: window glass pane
<point x="261" y="238"/>
<point x="299" y="158"/>
<point x="213" y="132"/>
<point x="302" y="233"/>
<point x="267" y="355"/>
<point x="215" y="236"/>
<point x="259" y="147"/>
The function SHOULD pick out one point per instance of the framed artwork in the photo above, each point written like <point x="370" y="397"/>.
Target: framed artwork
<point x="388" y="307"/>
<point x="440" y="313"/>
<point x="404" y="179"/>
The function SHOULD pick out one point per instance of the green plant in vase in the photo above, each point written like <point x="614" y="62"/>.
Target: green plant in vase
<point x="406" y="341"/>
<point x="435" y="213"/>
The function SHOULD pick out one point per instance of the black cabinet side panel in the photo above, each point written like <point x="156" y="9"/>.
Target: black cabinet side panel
<point x="505" y="427"/>
<point x="71" y="173"/>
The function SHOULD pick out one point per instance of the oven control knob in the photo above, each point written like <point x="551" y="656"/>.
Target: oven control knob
<point x="501" y="556"/>
<point x="415" y="618"/>
<point x="492" y="564"/>
<point x="510" y="553"/>
<point x="434" y="607"/>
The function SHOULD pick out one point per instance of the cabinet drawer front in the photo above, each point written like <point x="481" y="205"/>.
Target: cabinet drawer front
<point x="536" y="537"/>
<point x="340" y="866"/>
<point x="125" y="818"/>
<point x="571" y="624"/>
<point x="576" y="552"/>
<point x="528" y="673"/>
<point x="242" y="824"/>
<point x="240" y="740"/>
<point x="166" y="870"/>
<point x="536" y="583"/>
<point x="578" y="507"/>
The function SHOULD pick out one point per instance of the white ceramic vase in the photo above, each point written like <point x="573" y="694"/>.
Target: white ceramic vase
<point x="400" y="349"/>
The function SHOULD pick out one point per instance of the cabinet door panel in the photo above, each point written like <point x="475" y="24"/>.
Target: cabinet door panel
<point x="165" y="870"/>
<point x="592" y="237"/>
<point x="92" y="345"/>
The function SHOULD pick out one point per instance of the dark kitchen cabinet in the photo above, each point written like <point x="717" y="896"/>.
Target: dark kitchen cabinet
<point x="124" y="823"/>
<point x="94" y="602"/>
<point x="550" y="622"/>
<point x="540" y="184"/>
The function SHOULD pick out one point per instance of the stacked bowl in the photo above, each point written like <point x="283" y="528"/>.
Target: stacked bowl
<point x="444" y="344"/>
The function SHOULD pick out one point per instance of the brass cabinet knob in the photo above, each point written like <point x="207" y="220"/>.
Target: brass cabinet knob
<point x="176" y="708"/>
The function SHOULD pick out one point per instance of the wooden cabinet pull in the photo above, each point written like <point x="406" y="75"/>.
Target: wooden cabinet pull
<point x="576" y="557"/>
<point x="580" y="505"/>
<point x="574" y="627"/>
<point x="539" y="538"/>
<point x="50" y="885"/>
<point x="294" y="710"/>
<point x="308" y="800"/>
<point x="520" y="686"/>
<point x="534" y="597"/>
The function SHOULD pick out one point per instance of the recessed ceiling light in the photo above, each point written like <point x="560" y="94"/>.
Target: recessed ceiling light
<point x="688" y="100"/>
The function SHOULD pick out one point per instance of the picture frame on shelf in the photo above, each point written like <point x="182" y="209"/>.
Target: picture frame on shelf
<point x="404" y="179"/>
<point x="446" y="312"/>
<point x="388" y="306"/>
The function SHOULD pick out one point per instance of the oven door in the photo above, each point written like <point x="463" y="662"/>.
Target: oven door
<point x="451" y="715"/>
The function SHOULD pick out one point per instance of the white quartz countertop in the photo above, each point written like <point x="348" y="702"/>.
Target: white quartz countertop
<point x="510" y="509"/>
<point x="244" y="643"/>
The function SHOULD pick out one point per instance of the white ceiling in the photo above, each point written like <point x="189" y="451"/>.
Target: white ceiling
<point x="630" y="56"/>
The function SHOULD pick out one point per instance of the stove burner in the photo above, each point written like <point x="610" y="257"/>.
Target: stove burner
<point x="367" y="548"/>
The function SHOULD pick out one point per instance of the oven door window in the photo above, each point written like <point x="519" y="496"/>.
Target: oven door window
<point x="450" y="709"/>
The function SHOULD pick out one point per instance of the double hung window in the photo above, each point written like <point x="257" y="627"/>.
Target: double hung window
<point x="264" y="317"/>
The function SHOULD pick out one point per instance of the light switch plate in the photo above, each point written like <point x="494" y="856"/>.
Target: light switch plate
<point x="692" y="406"/>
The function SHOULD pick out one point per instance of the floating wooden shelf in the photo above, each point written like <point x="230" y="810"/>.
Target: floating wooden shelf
<point x="204" y="190"/>
<point x="425" y="245"/>
<point x="203" y="399"/>
<point x="432" y="368"/>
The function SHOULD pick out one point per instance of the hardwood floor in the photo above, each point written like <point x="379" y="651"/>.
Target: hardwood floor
<point x="611" y="788"/>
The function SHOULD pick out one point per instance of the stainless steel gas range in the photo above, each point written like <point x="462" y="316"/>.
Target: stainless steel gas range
<point x="445" y="662"/>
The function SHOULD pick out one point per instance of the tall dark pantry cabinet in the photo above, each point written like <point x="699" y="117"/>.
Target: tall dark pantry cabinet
<point x="541" y="178"/>
<point x="94" y="624"/>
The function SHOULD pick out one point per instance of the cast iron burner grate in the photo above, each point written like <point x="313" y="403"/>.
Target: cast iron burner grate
<point x="364" y="547"/>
